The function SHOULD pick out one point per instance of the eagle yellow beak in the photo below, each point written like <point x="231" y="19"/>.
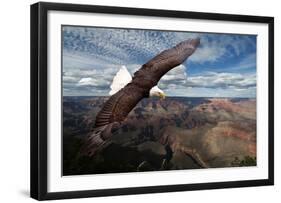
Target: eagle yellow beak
<point x="162" y="95"/>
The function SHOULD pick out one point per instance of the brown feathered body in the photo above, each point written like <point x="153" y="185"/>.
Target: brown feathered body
<point x="119" y="105"/>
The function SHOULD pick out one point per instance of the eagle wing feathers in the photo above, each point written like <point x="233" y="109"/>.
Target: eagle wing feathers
<point x="126" y="97"/>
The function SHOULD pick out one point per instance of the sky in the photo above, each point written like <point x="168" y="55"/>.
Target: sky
<point x="224" y="65"/>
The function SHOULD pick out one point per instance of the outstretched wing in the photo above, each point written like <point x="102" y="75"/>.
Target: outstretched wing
<point x="121" y="103"/>
<point x="151" y="72"/>
<point x="120" y="80"/>
<point x="118" y="106"/>
<point x="108" y="119"/>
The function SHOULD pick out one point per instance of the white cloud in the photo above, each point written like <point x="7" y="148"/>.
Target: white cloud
<point x="87" y="81"/>
<point x="177" y="73"/>
<point x="125" y="46"/>
<point x="222" y="80"/>
<point x="92" y="56"/>
<point x="209" y="52"/>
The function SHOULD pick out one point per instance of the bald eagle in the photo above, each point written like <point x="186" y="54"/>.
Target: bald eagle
<point x="127" y="91"/>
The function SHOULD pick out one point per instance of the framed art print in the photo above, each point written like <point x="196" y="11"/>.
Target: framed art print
<point x="131" y="101"/>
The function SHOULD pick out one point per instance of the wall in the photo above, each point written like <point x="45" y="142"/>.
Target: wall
<point x="14" y="108"/>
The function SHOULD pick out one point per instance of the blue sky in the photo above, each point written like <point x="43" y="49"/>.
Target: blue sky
<point x="224" y="65"/>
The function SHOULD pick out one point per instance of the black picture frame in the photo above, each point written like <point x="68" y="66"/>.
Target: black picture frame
<point x="38" y="155"/>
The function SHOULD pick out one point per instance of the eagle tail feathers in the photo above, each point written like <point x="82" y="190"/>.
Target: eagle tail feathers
<point x="95" y="142"/>
<point x="99" y="139"/>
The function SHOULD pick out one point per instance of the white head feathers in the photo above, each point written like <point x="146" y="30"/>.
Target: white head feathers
<point x="156" y="92"/>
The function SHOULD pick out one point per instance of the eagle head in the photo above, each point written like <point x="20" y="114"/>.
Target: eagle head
<point x="157" y="92"/>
